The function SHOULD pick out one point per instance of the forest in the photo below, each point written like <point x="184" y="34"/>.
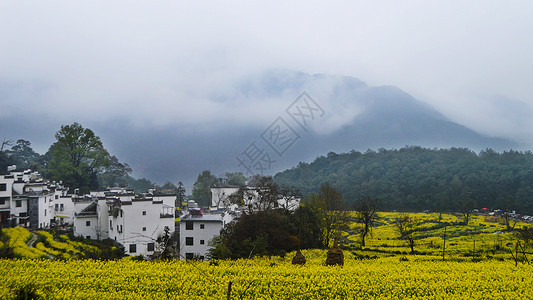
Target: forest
<point x="416" y="179"/>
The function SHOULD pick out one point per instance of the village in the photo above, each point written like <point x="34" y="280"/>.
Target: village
<point x="135" y="221"/>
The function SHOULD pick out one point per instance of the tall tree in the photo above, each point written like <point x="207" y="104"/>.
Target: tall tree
<point x="407" y="227"/>
<point x="115" y="174"/>
<point x="77" y="156"/>
<point x="23" y="155"/>
<point x="180" y="194"/>
<point x="334" y="212"/>
<point x="201" y="191"/>
<point x="366" y="213"/>
<point x="235" y="178"/>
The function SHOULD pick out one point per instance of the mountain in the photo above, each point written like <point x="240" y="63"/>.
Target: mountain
<point x="350" y="115"/>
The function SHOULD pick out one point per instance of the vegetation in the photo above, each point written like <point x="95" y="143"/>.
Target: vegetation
<point x="79" y="159"/>
<point x="53" y="245"/>
<point x="417" y="179"/>
<point x="269" y="278"/>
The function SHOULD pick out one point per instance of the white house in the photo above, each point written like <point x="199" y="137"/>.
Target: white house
<point x="198" y="228"/>
<point x="26" y="199"/>
<point x="135" y="221"/>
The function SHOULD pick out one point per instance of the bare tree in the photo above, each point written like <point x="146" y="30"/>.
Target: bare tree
<point x="366" y="213"/>
<point x="507" y="220"/>
<point x="407" y="227"/>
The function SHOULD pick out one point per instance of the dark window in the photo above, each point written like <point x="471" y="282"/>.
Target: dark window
<point x="202" y="226"/>
<point x="61" y="207"/>
<point x="88" y="237"/>
<point x="56" y="207"/>
<point x="144" y="212"/>
<point x="120" y="229"/>
<point x="87" y="223"/>
<point x="144" y="228"/>
<point x="133" y="248"/>
<point x="189" y="225"/>
<point x="3" y="187"/>
<point x="111" y="225"/>
<point x="18" y="203"/>
<point x="150" y="246"/>
<point x="57" y="197"/>
<point x="3" y="200"/>
<point x="189" y="241"/>
<point x="189" y="255"/>
<point x="121" y="213"/>
<point x="201" y="242"/>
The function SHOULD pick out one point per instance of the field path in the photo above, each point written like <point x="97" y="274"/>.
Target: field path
<point x="33" y="239"/>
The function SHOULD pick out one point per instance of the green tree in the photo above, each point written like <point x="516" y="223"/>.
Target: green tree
<point x="201" y="191"/>
<point x="235" y="178"/>
<point x="76" y="157"/>
<point x="330" y="205"/>
<point x="115" y="174"/>
<point x="180" y="194"/>
<point x="23" y="155"/>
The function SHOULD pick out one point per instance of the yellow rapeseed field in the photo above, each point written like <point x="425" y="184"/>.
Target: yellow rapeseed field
<point x="263" y="278"/>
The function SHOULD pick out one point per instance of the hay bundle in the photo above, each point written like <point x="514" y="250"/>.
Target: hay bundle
<point x="299" y="258"/>
<point x="335" y="256"/>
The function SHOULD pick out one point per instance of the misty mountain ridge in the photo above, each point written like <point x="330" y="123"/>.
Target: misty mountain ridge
<point x="356" y="117"/>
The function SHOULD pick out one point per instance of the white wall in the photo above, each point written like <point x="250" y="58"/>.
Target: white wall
<point x="65" y="210"/>
<point x="138" y="228"/>
<point x="210" y="229"/>
<point x="81" y="228"/>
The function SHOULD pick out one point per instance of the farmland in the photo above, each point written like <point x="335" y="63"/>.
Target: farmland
<point x="383" y="269"/>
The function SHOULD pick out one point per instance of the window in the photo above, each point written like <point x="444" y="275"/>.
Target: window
<point x="133" y="248"/>
<point x="189" y="241"/>
<point x="3" y="187"/>
<point x="151" y="247"/>
<point x="111" y="225"/>
<point x="45" y="212"/>
<point x="18" y="203"/>
<point x="61" y="207"/>
<point x="189" y="255"/>
<point x="202" y="226"/>
<point x="144" y="212"/>
<point x="44" y="199"/>
<point x="189" y="225"/>
<point x="3" y="200"/>
<point x="56" y="207"/>
<point x="57" y="197"/>
<point x="120" y="229"/>
<point x="201" y="242"/>
<point x="88" y="237"/>
<point x="144" y="228"/>
<point x="121" y="213"/>
<point x="87" y="223"/>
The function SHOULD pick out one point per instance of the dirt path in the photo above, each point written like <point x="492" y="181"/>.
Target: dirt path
<point x="33" y="239"/>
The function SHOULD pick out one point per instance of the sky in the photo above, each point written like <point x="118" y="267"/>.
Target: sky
<point x="157" y="64"/>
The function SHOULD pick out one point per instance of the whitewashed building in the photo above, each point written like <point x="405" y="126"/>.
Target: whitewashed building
<point x="135" y="221"/>
<point x="26" y="199"/>
<point x="198" y="228"/>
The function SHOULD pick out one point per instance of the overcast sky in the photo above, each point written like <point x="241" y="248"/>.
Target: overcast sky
<point x="156" y="63"/>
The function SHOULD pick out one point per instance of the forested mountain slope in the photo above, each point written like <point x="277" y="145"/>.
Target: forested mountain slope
<point x="416" y="178"/>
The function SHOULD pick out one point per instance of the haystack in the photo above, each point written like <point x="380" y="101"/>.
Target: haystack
<point x="335" y="256"/>
<point x="299" y="258"/>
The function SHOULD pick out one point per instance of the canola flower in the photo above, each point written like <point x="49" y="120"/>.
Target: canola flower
<point x="264" y="278"/>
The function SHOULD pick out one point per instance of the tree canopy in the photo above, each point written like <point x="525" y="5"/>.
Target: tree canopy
<point x="77" y="156"/>
<point x="416" y="178"/>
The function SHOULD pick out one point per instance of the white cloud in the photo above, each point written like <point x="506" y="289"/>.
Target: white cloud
<point x="158" y="63"/>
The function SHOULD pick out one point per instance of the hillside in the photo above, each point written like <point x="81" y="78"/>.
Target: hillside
<point x="415" y="178"/>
